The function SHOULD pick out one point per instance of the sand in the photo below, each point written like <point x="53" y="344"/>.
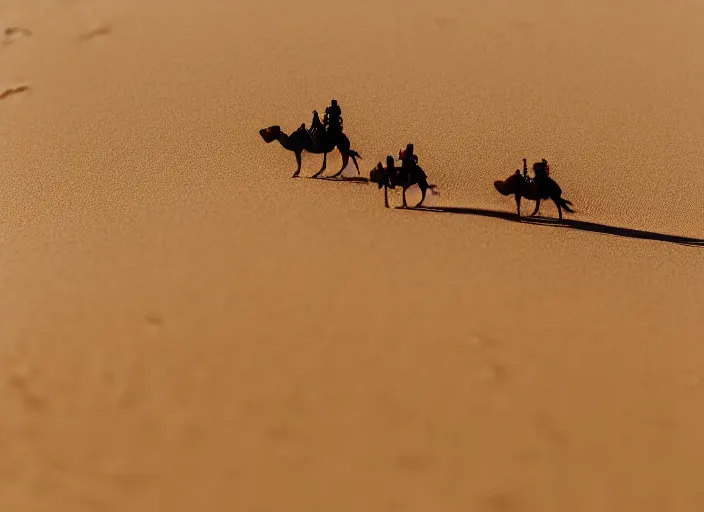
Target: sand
<point x="184" y="327"/>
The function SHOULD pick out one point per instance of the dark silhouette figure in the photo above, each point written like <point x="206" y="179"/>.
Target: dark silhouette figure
<point x="317" y="130"/>
<point x="301" y="140"/>
<point x="525" y="171"/>
<point x="409" y="160"/>
<point x="407" y="156"/>
<point x="540" y="188"/>
<point x="392" y="177"/>
<point x="333" y="118"/>
<point x="315" y="123"/>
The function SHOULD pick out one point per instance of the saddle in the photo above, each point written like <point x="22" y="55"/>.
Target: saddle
<point x="302" y="130"/>
<point x="317" y="134"/>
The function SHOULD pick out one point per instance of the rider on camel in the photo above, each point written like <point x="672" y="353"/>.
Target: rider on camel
<point x="316" y="124"/>
<point x="316" y="127"/>
<point x="541" y="170"/>
<point x="408" y="161"/>
<point x="333" y="118"/>
<point x="407" y="155"/>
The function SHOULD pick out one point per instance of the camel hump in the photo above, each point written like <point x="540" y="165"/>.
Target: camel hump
<point x="303" y="133"/>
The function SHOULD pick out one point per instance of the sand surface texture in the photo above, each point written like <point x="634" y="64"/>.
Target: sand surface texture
<point x="184" y="327"/>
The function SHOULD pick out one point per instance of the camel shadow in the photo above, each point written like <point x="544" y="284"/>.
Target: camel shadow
<point x="570" y="224"/>
<point x="348" y="179"/>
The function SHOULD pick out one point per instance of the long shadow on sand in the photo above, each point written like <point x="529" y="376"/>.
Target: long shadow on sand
<point x="570" y="224"/>
<point x="347" y="179"/>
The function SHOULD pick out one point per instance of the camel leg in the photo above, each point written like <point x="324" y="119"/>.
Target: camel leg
<point x="423" y="190"/>
<point x="345" y="161"/>
<point x="405" y="204"/>
<point x="537" y="207"/>
<point x="518" y="206"/>
<point x="322" y="169"/>
<point x="298" y="160"/>
<point x="559" y="209"/>
<point x="354" y="159"/>
<point x="386" y="196"/>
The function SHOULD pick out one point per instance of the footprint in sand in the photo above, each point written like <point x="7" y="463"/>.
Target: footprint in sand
<point x="13" y="90"/>
<point x="21" y="384"/>
<point x="154" y="321"/>
<point x="442" y="22"/>
<point x="501" y="502"/>
<point x="13" y="33"/>
<point x="102" y="30"/>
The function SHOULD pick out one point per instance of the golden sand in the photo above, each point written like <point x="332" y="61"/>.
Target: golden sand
<point x="184" y="327"/>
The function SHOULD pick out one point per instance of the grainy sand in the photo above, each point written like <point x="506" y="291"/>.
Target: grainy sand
<point x="184" y="327"/>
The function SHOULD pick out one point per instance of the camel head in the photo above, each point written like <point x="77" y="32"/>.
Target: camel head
<point x="270" y="134"/>
<point x="499" y="186"/>
<point x="378" y="175"/>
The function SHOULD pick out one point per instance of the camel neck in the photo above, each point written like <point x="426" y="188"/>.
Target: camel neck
<point x="285" y="141"/>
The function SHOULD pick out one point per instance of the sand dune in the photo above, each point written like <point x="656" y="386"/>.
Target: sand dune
<point x="183" y="326"/>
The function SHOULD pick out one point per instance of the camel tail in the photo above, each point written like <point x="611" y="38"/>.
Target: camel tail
<point x="432" y="188"/>
<point x="566" y="205"/>
<point x="354" y="155"/>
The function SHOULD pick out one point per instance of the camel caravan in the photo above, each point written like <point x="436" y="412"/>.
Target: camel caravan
<point x="325" y="136"/>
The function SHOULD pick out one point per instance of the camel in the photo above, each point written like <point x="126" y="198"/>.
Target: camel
<point x="392" y="176"/>
<point x="301" y="140"/>
<point x="541" y="188"/>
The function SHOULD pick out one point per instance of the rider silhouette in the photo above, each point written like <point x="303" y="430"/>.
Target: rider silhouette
<point x="408" y="155"/>
<point x="333" y="118"/>
<point x="541" y="170"/>
<point x="316" y="127"/>
<point x="316" y="124"/>
<point x="408" y="161"/>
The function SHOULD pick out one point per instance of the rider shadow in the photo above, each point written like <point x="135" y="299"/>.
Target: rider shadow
<point x="571" y="224"/>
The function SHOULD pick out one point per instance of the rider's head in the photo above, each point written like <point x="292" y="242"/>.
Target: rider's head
<point x="540" y="168"/>
<point x="333" y="103"/>
<point x="389" y="161"/>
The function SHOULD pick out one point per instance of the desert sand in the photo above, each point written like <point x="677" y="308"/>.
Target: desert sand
<point x="184" y="327"/>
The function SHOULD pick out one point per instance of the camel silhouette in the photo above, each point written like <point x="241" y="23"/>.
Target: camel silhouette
<point x="301" y="140"/>
<point x="542" y="187"/>
<point x="392" y="177"/>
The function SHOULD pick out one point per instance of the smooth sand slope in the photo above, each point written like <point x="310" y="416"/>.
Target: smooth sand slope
<point x="184" y="327"/>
